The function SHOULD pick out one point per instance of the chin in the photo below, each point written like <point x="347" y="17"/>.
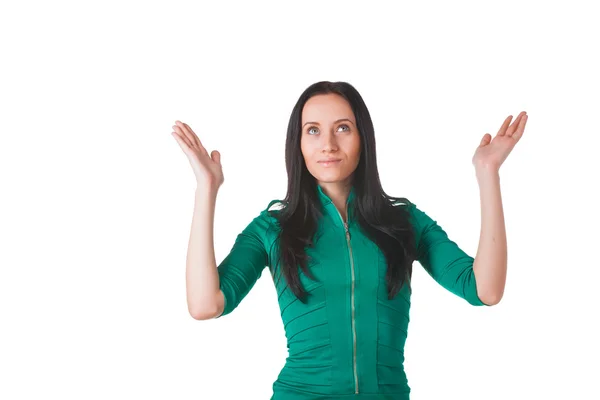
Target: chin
<point x="330" y="178"/>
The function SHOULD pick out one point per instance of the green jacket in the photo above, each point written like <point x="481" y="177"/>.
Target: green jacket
<point x="348" y="340"/>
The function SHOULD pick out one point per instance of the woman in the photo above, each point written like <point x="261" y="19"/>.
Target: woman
<point x="340" y="251"/>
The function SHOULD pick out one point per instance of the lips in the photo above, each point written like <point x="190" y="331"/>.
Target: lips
<point x="330" y="162"/>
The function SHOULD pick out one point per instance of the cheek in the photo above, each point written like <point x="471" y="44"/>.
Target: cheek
<point x="303" y="149"/>
<point x="307" y="151"/>
<point x="354" y="149"/>
<point x="308" y="145"/>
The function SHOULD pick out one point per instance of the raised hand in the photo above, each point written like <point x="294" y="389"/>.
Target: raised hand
<point x="207" y="168"/>
<point x="491" y="153"/>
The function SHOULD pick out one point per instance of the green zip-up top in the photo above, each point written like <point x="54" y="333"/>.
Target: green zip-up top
<point x="348" y="340"/>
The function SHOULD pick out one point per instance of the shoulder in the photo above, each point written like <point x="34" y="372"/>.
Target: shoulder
<point x="266" y="221"/>
<point x="271" y="212"/>
<point x="417" y="216"/>
<point x="403" y="203"/>
<point x="274" y="206"/>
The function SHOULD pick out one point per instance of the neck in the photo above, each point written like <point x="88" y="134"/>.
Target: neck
<point x="337" y="193"/>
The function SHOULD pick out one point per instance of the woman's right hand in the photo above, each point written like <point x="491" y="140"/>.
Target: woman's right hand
<point x="207" y="168"/>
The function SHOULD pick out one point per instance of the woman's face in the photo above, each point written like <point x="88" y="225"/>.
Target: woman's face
<point x="329" y="132"/>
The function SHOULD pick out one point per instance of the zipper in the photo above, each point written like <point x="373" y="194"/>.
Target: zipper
<point x="347" y="232"/>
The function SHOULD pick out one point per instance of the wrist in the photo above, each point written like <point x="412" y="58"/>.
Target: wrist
<point x="206" y="192"/>
<point x="487" y="172"/>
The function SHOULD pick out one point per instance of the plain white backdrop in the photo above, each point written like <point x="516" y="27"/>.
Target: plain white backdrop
<point x="97" y="196"/>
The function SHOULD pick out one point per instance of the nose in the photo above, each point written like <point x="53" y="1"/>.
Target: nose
<point x="330" y="142"/>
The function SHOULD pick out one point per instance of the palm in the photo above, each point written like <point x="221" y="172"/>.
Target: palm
<point x="493" y="152"/>
<point x="207" y="167"/>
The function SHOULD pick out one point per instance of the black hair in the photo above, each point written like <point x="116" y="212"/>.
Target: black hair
<point x="380" y="216"/>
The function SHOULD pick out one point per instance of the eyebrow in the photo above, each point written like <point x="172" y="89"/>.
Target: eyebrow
<point x="335" y="122"/>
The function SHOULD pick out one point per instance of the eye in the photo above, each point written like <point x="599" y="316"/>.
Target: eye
<point x="342" y="125"/>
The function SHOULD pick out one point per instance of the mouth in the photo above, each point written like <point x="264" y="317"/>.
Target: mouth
<point x="329" y="163"/>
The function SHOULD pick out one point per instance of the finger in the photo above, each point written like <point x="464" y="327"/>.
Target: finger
<point x="511" y="129"/>
<point x="180" y="136"/>
<point x="193" y="138"/>
<point x="181" y="142"/>
<point x="185" y="133"/>
<point x="196" y="138"/>
<point x="216" y="156"/>
<point x="485" y="140"/>
<point x="504" y="126"/>
<point x="192" y="134"/>
<point x="519" y="133"/>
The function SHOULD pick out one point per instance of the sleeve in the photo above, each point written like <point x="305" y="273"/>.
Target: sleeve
<point x="443" y="259"/>
<point x="241" y="268"/>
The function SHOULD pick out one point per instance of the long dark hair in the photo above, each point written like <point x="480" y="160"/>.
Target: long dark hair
<point x="381" y="217"/>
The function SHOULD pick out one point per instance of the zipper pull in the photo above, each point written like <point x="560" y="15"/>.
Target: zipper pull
<point x="347" y="230"/>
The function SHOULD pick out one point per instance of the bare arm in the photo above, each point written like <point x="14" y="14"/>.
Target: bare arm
<point x="204" y="298"/>
<point x="491" y="261"/>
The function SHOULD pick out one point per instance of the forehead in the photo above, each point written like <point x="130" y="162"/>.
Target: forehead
<point x="326" y="108"/>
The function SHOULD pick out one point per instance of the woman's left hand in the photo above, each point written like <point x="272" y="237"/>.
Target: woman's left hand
<point x="491" y="153"/>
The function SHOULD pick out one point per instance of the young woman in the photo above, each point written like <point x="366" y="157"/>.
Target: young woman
<point x="340" y="250"/>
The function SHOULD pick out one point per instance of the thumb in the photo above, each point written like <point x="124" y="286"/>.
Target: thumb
<point x="216" y="156"/>
<point x="485" y="140"/>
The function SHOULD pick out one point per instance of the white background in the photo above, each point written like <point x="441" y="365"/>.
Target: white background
<point x="97" y="196"/>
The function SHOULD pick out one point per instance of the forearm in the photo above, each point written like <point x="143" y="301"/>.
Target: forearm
<point x="202" y="279"/>
<point x="491" y="259"/>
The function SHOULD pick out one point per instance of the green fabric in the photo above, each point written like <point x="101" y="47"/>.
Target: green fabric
<point x="320" y="336"/>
